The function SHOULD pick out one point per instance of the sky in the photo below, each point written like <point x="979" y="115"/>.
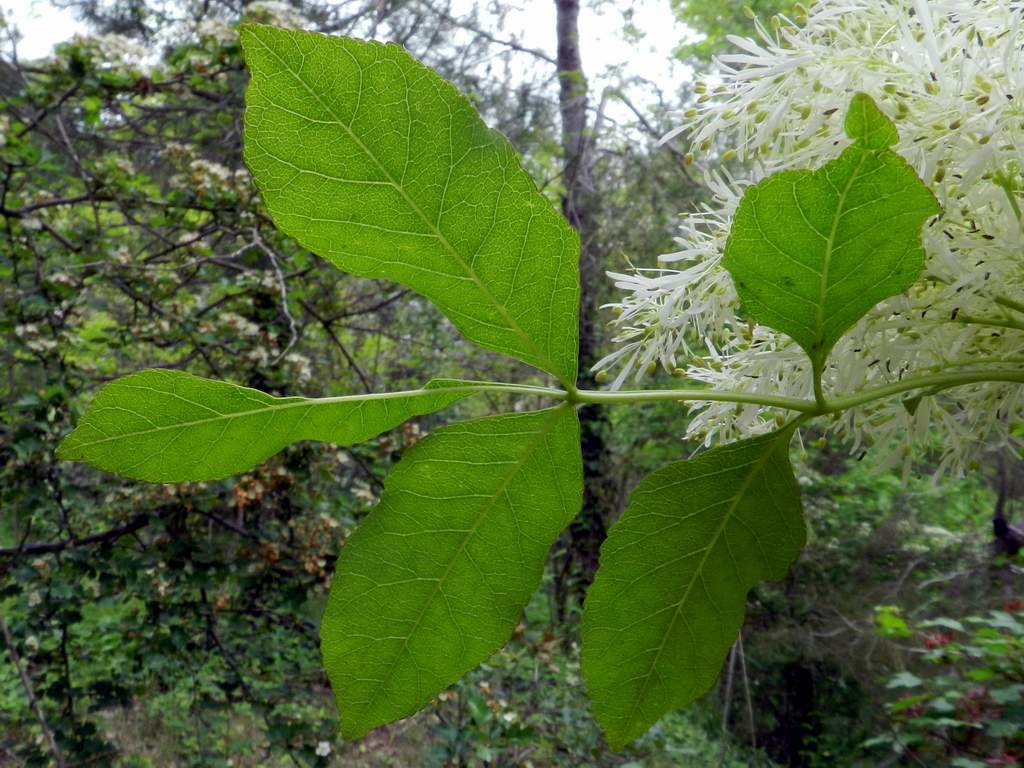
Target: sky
<point x="532" y="23"/>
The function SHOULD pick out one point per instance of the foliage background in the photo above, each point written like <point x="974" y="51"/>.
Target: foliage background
<point x="176" y="625"/>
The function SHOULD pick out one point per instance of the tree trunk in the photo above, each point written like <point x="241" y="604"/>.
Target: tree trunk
<point x="577" y="561"/>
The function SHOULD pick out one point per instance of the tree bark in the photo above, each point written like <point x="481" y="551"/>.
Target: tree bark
<point x="580" y="556"/>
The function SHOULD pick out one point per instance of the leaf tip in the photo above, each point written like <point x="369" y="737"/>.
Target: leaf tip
<point x="616" y="743"/>
<point x="867" y="125"/>
<point x="352" y="731"/>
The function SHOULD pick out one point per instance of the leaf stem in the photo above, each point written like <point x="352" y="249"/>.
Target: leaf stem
<point x="994" y="322"/>
<point x="932" y="382"/>
<point x="935" y="383"/>
<point x="1009" y="187"/>
<point x="1009" y="303"/>
<point x="654" y="395"/>
<point x="819" y="393"/>
<point x="1002" y="301"/>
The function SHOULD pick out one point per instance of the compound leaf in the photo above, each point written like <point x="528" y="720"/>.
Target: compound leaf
<point x="435" y="578"/>
<point x="811" y="252"/>
<point x="372" y="160"/>
<point x="668" y="599"/>
<point x="168" y="426"/>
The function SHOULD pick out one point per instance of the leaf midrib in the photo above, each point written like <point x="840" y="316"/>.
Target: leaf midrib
<point x="272" y="408"/>
<point x="757" y="467"/>
<point x="819" y="319"/>
<point x="502" y="310"/>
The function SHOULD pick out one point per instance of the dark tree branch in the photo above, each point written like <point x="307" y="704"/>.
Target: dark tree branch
<point x="113" y="534"/>
<point x="329" y="330"/>
<point x="51" y="742"/>
<point x="485" y="35"/>
<point x="654" y="133"/>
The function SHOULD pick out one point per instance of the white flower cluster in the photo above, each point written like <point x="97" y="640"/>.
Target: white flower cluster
<point x="951" y="75"/>
<point x="117" y="53"/>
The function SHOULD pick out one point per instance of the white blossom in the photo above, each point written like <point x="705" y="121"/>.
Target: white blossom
<point x="116" y="52"/>
<point x="951" y="76"/>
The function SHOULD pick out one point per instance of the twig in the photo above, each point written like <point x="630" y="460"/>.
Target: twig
<point x="947" y="577"/>
<point x="653" y="132"/>
<point x="293" y="333"/>
<point x="51" y="742"/>
<point x="895" y="591"/>
<point x="746" y="692"/>
<point x="25" y="210"/>
<point x="326" y="325"/>
<point x="515" y="46"/>
<point x="225" y="523"/>
<point x="40" y="548"/>
<point x="729" y="674"/>
<point x="906" y="750"/>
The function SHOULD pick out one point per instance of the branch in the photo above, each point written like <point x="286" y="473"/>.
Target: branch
<point x="993" y="322"/>
<point x="708" y="395"/>
<point x="730" y="671"/>
<point x="935" y="383"/>
<point x="653" y="132"/>
<point x="113" y="534"/>
<point x="293" y="332"/>
<point x="26" y="681"/>
<point x="25" y="210"/>
<point x="329" y="330"/>
<point x="512" y="44"/>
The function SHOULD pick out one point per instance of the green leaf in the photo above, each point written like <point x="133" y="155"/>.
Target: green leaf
<point x="890" y="623"/>
<point x="435" y="578"/>
<point x="372" y="160"/>
<point x="907" y="702"/>
<point x="168" y="427"/>
<point x="941" y="705"/>
<point x="967" y="762"/>
<point x="944" y="623"/>
<point x="811" y="252"/>
<point x="669" y="595"/>
<point x="866" y="124"/>
<point x="904" y="680"/>
<point x="1004" y="729"/>
<point x="944" y="722"/>
<point x="1008" y="694"/>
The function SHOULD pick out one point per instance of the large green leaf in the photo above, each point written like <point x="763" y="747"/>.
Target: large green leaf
<point x="433" y="581"/>
<point x="372" y="160"/>
<point x="167" y="426"/>
<point x="811" y="252"/>
<point x="668" y="599"/>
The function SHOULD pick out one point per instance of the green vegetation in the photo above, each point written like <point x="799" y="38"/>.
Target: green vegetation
<point x="668" y="599"/>
<point x="812" y="251"/>
<point x="436" y="202"/>
<point x="438" y="568"/>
